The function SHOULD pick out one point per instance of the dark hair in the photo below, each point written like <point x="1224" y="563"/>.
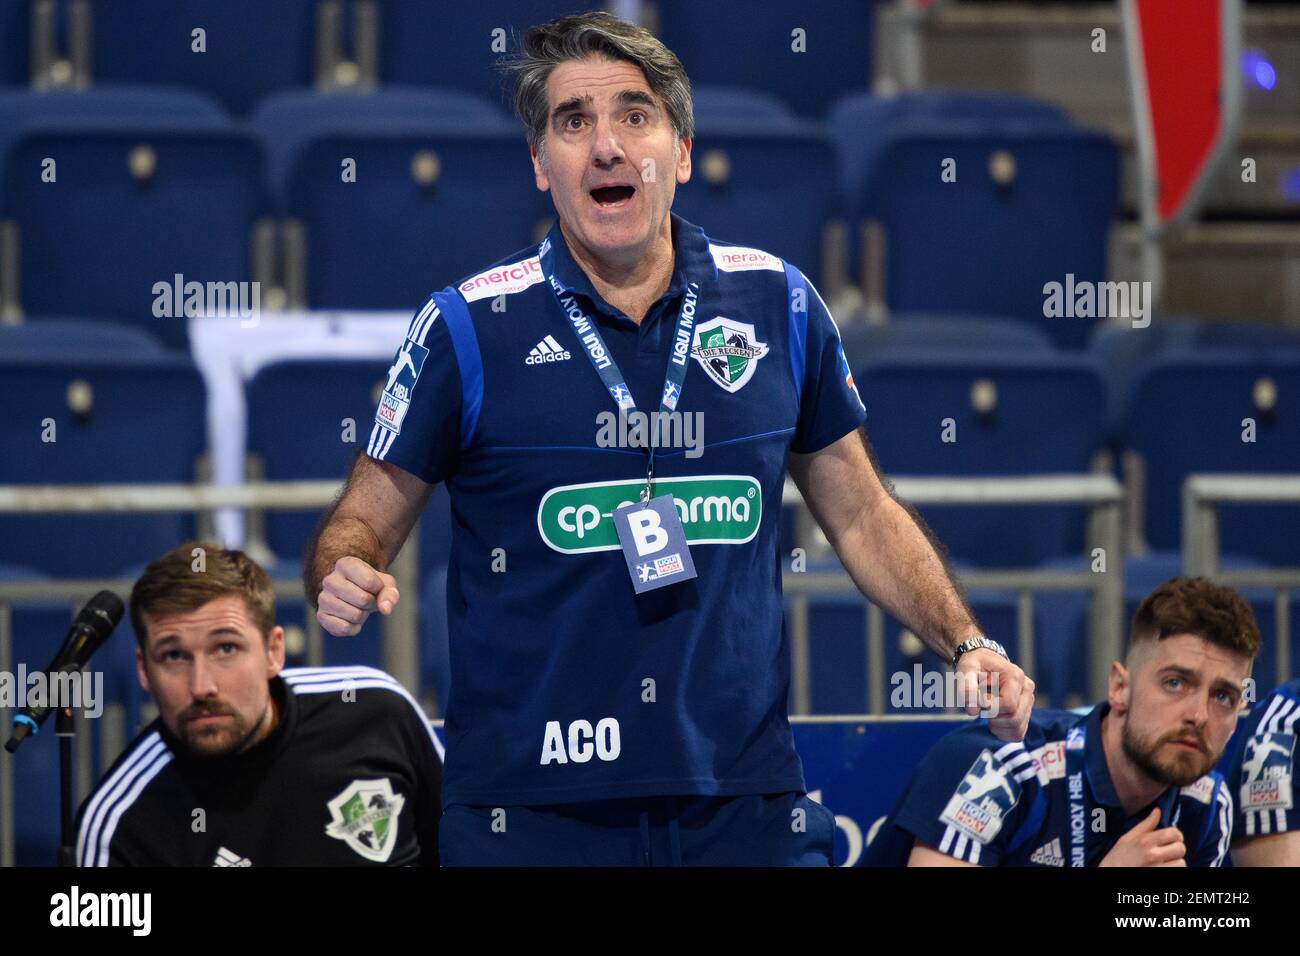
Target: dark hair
<point x="597" y="33"/>
<point x="189" y="576"/>
<point x="1213" y="612"/>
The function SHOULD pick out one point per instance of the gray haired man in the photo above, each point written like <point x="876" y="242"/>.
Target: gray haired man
<point x="619" y="662"/>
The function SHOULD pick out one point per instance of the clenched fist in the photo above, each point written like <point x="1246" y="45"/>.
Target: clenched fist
<point x="349" y="594"/>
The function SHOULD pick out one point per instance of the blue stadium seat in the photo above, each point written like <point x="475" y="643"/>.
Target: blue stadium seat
<point x="914" y="332"/>
<point x="1122" y="351"/>
<point x="427" y="208"/>
<point x="1013" y="416"/>
<point x="1185" y="416"/>
<point x="113" y="421"/>
<point x="311" y="446"/>
<point x="455" y="44"/>
<point x="862" y="126"/>
<point x="103" y="109"/>
<point x="252" y="47"/>
<point x="15" y="38"/>
<point x="716" y="106"/>
<point x="1026" y="209"/>
<point x="767" y="184"/>
<point x="728" y="41"/>
<point x="132" y="208"/>
<point x="837" y="626"/>
<point x="58" y="339"/>
<point x="33" y="629"/>
<point x="1061" y="626"/>
<point x="287" y="122"/>
<point x="36" y="798"/>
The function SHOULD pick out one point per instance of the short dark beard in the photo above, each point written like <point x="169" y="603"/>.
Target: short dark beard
<point x="1144" y="759"/>
<point x="238" y="745"/>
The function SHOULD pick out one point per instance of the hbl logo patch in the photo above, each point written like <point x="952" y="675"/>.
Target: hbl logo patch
<point x="401" y="381"/>
<point x="365" y="818"/>
<point x="1266" y="772"/>
<point x="983" y="799"/>
<point x="729" y="351"/>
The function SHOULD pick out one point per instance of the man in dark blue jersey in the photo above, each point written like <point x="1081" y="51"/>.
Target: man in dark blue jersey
<point x="1266" y="831"/>
<point x="1129" y="784"/>
<point x="618" y="691"/>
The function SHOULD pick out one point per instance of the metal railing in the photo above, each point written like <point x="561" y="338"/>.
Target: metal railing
<point x="1100" y="493"/>
<point x="400" y="653"/>
<point x="1202" y="495"/>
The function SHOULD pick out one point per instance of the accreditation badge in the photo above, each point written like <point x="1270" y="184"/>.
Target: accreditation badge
<point x="654" y="544"/>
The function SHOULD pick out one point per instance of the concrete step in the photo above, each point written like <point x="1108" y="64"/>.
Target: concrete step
<point x="1248" y="272"/>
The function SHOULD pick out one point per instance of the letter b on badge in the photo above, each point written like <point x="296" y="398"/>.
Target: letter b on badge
<point x="653" y="544"/>
<point x="647" y="532"/>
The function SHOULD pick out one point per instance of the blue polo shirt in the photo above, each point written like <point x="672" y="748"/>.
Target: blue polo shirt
<point x="565" y="685"/>
<point x="1262" y="770"/>
<point x="982" y="800"/>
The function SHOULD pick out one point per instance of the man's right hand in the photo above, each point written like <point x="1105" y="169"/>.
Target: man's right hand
<point x="1148" y="844"/>
<point x="349" y="594"/>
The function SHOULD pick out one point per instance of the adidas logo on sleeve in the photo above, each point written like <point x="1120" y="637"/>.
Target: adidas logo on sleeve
<point x="226" y="857"/>
<point x="1049" y="854"/>
<point x="547" y="350"/>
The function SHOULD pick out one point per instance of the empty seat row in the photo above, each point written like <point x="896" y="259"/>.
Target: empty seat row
<point x="369" y="201"/>
<point x="998" y="411"/>
<point x="240" y="51"/>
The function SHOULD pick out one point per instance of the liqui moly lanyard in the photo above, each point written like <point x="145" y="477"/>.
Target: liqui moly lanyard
<point x="593" y="344"/>
<point x="1074" y="783"/>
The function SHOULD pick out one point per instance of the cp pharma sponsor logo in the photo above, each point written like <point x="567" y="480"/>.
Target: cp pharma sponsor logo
<point x="715" y="509"/>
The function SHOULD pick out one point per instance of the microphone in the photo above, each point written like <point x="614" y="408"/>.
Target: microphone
<point x="93" y="625"/>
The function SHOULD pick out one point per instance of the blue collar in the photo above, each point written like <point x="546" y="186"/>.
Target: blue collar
<point x="691" y="258"/>
<point x="1099" y="780"/>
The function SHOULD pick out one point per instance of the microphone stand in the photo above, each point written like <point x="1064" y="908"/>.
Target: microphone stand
<point x="65" y="728"/>
<point x="92" y="626"/>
